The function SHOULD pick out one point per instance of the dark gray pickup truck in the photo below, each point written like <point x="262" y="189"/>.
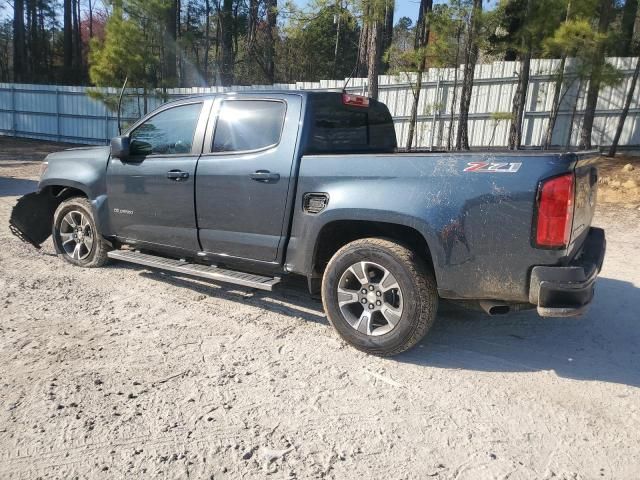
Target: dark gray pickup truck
<point x="248" y="187"/>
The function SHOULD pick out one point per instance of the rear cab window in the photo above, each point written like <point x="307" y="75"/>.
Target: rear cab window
<point x="340" y="128"/>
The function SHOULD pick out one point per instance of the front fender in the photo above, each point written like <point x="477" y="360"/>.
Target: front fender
<point x="79" y="169"/>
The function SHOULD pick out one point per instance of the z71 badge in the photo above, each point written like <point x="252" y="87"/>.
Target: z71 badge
<point x="493" y="167"/>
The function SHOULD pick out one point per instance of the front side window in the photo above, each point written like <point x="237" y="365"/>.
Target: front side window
<point x="248" y="125"/>
<point x="170" y="132"/>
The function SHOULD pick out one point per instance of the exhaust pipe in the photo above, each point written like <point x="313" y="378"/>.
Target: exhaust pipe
<point x="494" y="308"/>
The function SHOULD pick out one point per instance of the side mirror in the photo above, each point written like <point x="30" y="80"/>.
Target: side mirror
<point x="120" y="147"/>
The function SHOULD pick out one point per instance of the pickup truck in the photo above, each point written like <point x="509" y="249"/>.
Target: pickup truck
<point x="249" y="187"/>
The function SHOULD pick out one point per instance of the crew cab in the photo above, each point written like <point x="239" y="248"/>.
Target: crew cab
<point x="250" y="187"/>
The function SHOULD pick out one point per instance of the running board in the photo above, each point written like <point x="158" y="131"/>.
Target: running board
<point x="195" y="269"/>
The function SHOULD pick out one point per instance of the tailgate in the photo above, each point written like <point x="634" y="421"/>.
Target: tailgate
<point x="586" y="187"/>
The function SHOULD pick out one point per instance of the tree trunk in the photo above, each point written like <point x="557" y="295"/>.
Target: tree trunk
<point x="520" y="97"/>
<point x="90" y="19"/>
<point x="45" y="71"/>
<point x="35" y="49"/>
<point x="226" y="67"/>
<point x="270" y="50"/>
<point x="625" y="110"/>
<point x="454" y="97"/>
<point x="373" y="62"/>
<point x="557" y="92"/>
<point x="337" y="45"/>
<point x="629" y="14"/>
<point x="555" y="106"/>
<point x="574" y="112"/>
<point x="18" y="41"/>
<point x="363" y="47"/>
<point x="471" y="57"/>
<point x="421" y="41"/>
<point x="170" y="59"/>
<point x="252" y="22"/>
<point x="67" y="41"/>
<point x="207" y="40"/>
<point x="76" y="43"/>
<point x="387" y="30"/>
<point x="606" y="6"/>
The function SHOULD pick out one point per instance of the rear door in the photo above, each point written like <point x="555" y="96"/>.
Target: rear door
<point x="244" y="176"/>
<point x="151" y="194"/>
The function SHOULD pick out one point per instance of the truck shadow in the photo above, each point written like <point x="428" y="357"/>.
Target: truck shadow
<point x="11" y="187"/>
<point x="604" y="345"/>
<point x="291" y="297"/>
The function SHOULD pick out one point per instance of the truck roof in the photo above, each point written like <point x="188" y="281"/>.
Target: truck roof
<point x="240" y="93"/>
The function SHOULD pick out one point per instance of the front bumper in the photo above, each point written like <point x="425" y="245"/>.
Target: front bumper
<point x="567" y="291"/>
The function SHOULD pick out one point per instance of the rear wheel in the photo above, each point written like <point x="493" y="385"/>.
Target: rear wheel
<point x="75" y="235"/>
<point x="379" y="295"/>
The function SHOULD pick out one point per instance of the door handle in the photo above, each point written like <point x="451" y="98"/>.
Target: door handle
<point x="264" y="176"/>
<point x="177" y="175"/>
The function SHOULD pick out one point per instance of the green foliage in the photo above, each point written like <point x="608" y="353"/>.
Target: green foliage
<point x="134" y="41"/>
<point x="132" y="47"/>
<point x="447" y="24"/>
<point x="310" y="45"/>
<point x="573" y="37"/>
<point x="123" y="53"/>
<point x="403" y="34"/>
<point x="521" y="25"/>
<point x="577" y="38"/>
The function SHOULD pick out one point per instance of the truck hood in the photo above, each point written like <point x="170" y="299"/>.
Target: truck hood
<point x="89" y="154"/>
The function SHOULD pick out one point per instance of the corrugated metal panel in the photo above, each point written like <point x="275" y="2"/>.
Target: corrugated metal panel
<point x="72" y="114"/>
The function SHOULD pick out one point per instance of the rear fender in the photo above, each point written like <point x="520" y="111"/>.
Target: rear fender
<point x="32" y="217"/>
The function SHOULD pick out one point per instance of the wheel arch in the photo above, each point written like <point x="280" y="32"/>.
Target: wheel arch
<point x="337" y="233"/>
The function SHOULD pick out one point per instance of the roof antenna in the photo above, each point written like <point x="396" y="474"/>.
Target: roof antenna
<point x="353" y="72"/>
<point x="120" y="103"/>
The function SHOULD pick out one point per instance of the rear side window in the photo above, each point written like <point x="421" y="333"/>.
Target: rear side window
<point x="340" y="128"/>
<point x="248" y="125"/>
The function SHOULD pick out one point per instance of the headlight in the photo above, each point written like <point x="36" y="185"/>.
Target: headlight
<point x="43" y="168"/>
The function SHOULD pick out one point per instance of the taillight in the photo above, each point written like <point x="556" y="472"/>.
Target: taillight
<point x="555" y="212"/>
<point x="355" y="100"/>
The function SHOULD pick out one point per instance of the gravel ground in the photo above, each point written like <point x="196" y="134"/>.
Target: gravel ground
<point x="123" y="372"/>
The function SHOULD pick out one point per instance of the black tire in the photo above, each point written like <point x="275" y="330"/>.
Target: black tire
<point x="416" y="283"/>
<point x="94" y="255"/>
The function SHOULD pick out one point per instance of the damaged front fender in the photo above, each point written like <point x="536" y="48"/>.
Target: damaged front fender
<point x="32" y="217"/>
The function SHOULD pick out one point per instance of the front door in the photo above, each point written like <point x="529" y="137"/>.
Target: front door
<point x="244" y="177"/>
<point x="150" y="194"/>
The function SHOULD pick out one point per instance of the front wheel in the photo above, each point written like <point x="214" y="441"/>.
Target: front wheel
<point x="75" y="234"/>
<point x="379" y="295"/>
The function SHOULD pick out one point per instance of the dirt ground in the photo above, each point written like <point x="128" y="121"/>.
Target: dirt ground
<point x="619" y="181"/>
<point x="124" y="372"/>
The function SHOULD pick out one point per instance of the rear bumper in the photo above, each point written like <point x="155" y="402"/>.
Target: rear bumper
<point x="567" y="291"/>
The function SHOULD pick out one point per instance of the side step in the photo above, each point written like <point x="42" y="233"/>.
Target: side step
<point x="195" y="269"/>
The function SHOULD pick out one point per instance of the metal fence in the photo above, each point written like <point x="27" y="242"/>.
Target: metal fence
<point x="72" y="114"/>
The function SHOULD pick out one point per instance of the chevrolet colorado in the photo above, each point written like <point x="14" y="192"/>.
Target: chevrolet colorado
<point x="249" y="187"/>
